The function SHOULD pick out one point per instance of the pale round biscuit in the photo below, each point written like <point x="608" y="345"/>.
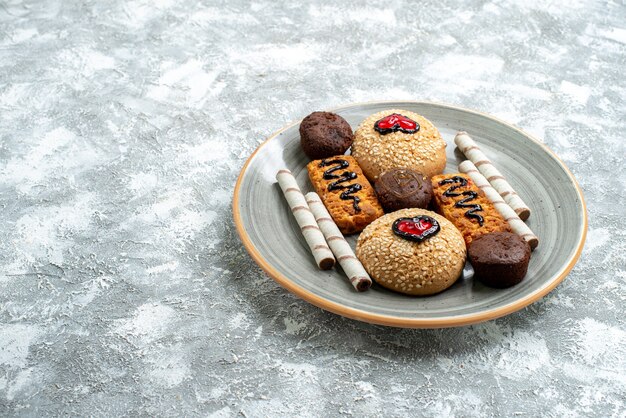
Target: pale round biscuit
<point x="414" y="268"/>
<point x="423" y="151"/>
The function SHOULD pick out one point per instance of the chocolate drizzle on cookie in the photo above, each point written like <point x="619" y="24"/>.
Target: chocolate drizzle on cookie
<point x="346" y="176"/>
<point x="463" y="203"/>
<point x="396" y="123"/>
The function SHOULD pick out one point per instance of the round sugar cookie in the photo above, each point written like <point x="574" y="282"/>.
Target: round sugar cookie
<point x="398" y="138"/>
<point x="412" y="251"/>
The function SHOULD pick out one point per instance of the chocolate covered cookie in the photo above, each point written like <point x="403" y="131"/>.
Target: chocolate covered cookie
<point x="325" y="134"/>
<point x="500" y="259"/>
<point x="401" y="188"/>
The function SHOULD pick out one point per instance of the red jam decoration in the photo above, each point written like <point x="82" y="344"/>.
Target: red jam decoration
<point x="394" y="123"/>
<point x="416" y="229"/>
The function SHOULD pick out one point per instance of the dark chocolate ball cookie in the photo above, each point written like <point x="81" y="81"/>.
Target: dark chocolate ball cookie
<point x="325" y="134"/>
<point x="401" y="188"/>
<point x="500" y="259"/>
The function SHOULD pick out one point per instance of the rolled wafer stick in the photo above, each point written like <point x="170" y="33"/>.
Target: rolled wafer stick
<point x="338" y="244"/>
<point x="301" y="211"/>
<point x="468" y="147"/>
<point x="517" y="225"/>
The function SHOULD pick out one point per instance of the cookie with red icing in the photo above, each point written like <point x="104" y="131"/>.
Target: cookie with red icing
<point x="398" y="138"/>
<point x="412" y="251"/>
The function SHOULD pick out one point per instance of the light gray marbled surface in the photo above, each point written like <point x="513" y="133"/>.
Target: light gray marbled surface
<point x="124" y="289"/>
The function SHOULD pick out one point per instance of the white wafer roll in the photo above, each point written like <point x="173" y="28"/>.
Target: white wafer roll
<point x="338" y="244"/>
<point x="468" y="147"/>
<point x="300" y="209"/>
<point x="517" y="225"/>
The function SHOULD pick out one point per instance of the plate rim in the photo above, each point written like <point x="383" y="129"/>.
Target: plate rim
<point x="388" y="320"/>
